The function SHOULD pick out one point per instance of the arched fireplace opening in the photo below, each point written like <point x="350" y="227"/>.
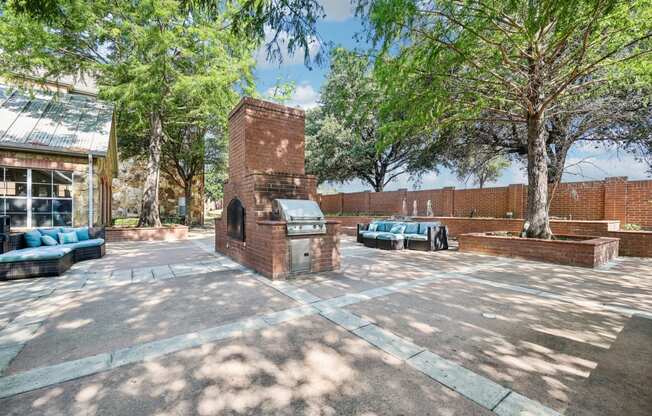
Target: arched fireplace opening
<point x="235" y="220"/>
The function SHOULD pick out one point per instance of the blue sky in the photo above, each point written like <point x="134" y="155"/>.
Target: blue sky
<point x="339" y="28"/>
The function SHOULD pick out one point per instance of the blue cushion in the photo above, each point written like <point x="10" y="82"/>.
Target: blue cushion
<point x="385" y="226"/>
<point x="67" y="238"/>
<point x="82" y="234"/>
<point x="411" y="228"/>
<point x="423" y="226"/>
<point x="95" y="242"/>
<point x="372" y="227"/>
<point x="398" y="228"/>
<point x="33" y="238"/>
<point x="52" y="232"/>
<point x="419" y="237"/>
<point x="389" y="236"/>
<point x="32" y="254"/>
<point x="48" y="241"/>
<point x="370" y="234"/>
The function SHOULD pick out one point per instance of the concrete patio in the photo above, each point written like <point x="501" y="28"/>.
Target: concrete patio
<point x="166" y="328"/>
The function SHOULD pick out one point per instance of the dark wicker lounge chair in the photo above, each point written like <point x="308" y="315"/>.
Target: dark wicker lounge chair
<point x="53" y="265"/>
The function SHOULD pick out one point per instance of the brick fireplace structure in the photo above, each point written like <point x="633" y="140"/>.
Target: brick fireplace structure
<point x="266" y="162"/>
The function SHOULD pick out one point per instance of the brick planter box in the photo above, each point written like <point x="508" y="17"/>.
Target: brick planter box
<point x="172" y="233"/>
<point x="581" y="251"/>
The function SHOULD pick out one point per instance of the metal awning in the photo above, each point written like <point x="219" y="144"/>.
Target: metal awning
<point x="57" y="123"/>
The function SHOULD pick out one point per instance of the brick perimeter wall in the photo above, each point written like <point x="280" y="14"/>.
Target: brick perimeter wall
<point x="610" y="199"/>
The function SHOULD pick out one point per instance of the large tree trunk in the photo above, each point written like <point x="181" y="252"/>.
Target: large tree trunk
<point x="149" y="215"/>
<point x="187" y="191"/>
<point x="537" y="169"/>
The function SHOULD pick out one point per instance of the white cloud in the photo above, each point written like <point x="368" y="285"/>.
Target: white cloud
<point x="304" y="97"/>
<point x="296" y="58"/>
<point x="337" y="10"/>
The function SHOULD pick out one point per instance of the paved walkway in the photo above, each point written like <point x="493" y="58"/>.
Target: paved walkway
<point x="391" y="333"/>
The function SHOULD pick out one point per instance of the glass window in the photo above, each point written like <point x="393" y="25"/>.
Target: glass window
<point x="62" y="206"/>
<point x="41" y="220"/>
<point x="62" y="177"/>
<point x="62" y="220"/>
<point x="41" y="176"/>
<point x="36" y="197"/>
<point x="42" y="206"/>
<point x="16" y="205"/>
<point x="15" y="175"/>
<point x="16" y="189"/>
<point x="41" y="190"/>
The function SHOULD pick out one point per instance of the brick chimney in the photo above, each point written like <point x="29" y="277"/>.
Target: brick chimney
<point x="266" y="162"/>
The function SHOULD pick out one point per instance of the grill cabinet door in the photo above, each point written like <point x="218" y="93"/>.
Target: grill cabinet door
<point x="300" y="255"/>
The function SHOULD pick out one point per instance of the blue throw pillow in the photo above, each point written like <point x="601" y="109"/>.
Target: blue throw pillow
<point x="67" y="238"/>
<point x="48" y="241"/>
<point x="33" y="238"/>
<point x="52" y="232"/>
<point x="397" y="229"/>
<point x="372" y="227"/>
<point x="82" y="234"/>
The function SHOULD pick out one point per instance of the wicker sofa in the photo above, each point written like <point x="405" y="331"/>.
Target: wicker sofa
<point x="395" y="235"/>
<point x="18" y="261"/>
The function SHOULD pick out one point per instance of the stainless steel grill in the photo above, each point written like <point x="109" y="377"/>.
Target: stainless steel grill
<point x="303" y="216"/>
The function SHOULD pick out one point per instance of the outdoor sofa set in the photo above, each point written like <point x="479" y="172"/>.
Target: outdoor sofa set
<point x="395" y="235"/>
<point x="48" y="251"/>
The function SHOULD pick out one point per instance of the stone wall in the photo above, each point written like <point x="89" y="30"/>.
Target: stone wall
<point x="128" y="192"/>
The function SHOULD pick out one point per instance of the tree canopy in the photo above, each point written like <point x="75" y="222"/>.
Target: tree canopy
<point x="173" y="67"/>
<point x="506" y="62"/>
<point x="345" y="134"/>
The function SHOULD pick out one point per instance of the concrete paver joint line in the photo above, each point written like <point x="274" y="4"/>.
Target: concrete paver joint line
<point x="473" y="386"/>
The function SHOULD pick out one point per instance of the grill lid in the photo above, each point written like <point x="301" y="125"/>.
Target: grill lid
<point x="297" y="210"/>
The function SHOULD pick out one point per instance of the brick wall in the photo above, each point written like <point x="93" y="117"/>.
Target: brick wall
<point x="587" y="253"/>
<point x="579" y="200"/>
<point x="639" y="203"/>
<point x="609" y="199"/>
<point x="174" y="233"/>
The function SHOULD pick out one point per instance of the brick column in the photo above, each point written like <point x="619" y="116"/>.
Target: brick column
<point x="516" y="202"/>
<point x="340" y="202"/>
<point x="449" y="201"/>
<point x="615" y="199"/>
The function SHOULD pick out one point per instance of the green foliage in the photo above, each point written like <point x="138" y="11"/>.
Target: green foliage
<point x="455" y="62"/>
<point x="480" y="167"/>
<point x="344" y="137"/>
<point x="215" y="168"/>
<point x="632" y="227"/>
<point x="467" y="60"/>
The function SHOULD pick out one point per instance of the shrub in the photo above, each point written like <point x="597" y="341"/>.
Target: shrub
<point x="632" y="227"/>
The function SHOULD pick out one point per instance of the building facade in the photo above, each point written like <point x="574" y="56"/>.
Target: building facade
<point x="58" y="157"/>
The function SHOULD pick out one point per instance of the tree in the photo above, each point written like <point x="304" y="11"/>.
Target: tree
<point x="480" y="168"/>
<point x="343" y="137"/>
<point x="507" y="62"/>
<point x="149" y="53"/>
